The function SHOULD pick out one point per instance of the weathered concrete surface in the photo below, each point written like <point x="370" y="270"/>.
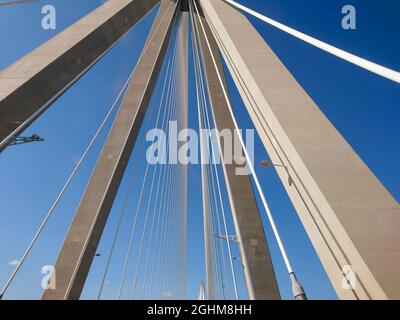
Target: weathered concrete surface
<point x="183" y="65"/>
<point x="28" y="86"/>
<point x="77" y="253"/>
<point x="348" y="214"/>
<point x="258" y="269"/>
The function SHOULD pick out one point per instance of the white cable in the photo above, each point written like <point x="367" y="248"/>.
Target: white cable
<point x="64" y="188"/>
<point x="157" y="202"/>
<point x="199" y="81"/>
<point x="206" y="219"/>
<point x="164" y="121"/>
<point x="170" y="262"/>
<point x="164" y="195"/>
<point x="122" y="213"/>
<point x="218" y="183"/>
<point x="349" y="57"/>
<point x="249" y="162"/>
<point x="217" y="205"/>
<point x="155" y="283"/>
<point x="160" y="230"/>
<point x="139" y="259"/>
<point x="168" y="200"/>
<point x="140" y="198"/>
<point x="158" y="214"/>
<point x="164" y="229"/>
<point x="171" y="259"/>
<point x="50" y="212"/>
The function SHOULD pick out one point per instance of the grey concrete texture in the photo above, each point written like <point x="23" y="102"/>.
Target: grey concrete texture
<point x="30" y="85"/>
<point x="81" y="243"/>
<point x="350" y="217"/>
<point x="257" y="263"/>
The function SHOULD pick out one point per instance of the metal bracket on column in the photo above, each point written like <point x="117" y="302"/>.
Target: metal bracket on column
<point x="30" y="85"/>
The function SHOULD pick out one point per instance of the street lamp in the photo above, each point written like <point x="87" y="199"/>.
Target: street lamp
<point x="297" y="288"/>
<point x="269" y="164"/>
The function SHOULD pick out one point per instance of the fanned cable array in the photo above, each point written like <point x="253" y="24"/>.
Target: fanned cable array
<point x="220" y="267"/>
<point x="154" y="262"/>
<point x="154" y="206"/>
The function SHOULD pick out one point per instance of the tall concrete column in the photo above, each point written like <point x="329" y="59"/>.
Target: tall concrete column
<point x="183" y="38"/>
<point x="30" y="85"/>
<point x="79" y="247"/>
<point x="258" y="270"/>
<point x="351" y="219"/>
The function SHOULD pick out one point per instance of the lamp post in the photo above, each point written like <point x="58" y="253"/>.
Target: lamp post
<point x="269" y="164"/>
<point x="297" y="288"/>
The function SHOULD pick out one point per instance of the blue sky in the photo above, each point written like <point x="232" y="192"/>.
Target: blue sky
<point x="364" y="108"/>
